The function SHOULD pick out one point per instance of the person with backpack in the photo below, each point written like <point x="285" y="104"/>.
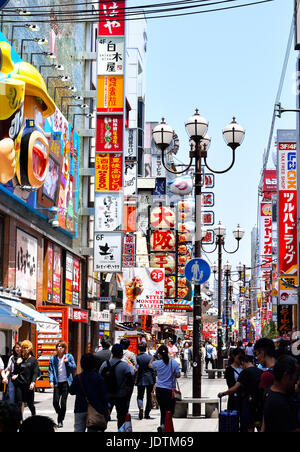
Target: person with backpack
<point x="145" y="381"/>
<point x="232" y="372"/>
<point x="89" y="387"/>
<point x="119" y="381"/>
<point x="248" y="387"/>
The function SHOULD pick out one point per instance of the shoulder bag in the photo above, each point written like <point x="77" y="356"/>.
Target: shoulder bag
<point x="94" y="419"/>
<point x="176" y="393"/>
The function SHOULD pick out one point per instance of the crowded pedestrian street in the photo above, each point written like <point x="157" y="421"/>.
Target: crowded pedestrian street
<point x="149" y="218"/>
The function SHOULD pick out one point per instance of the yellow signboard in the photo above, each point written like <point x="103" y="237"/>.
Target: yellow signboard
<point x="110" y="93"/>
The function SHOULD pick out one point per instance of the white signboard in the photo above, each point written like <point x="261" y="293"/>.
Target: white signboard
<point x="111" y="56"/>
<point x="130" y="143"/>
<point x="130" y="179"/>
<point x="108" y="252"/>
<point x="108" y="211"/>
<point x="26" y="264"/>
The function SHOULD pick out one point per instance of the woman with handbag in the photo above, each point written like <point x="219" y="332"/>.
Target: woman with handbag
<point x="167" y="371"/>
<point x="90" y="410"/>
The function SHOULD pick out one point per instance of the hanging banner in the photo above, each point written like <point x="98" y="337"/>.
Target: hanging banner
<point x="69" y="279"/>
<point x="143" y="292"/>
<point x="265" y="232"/>
<point x="129" y="250"/>
<point x="284" y="319"/>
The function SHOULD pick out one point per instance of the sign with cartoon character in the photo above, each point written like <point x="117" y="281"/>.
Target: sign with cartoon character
<point x="39" y="151"/>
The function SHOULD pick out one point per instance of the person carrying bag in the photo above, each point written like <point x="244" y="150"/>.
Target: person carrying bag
<point x="94" y="419"/>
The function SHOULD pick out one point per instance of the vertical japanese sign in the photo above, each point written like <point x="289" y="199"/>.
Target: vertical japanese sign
<point x="109" y="167"/>
<point x="26" y="264"/>
<point x="287" y="216"/>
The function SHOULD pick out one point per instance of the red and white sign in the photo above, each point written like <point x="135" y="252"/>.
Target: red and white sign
<point x="79" y="315"/>
<point x="111" y="18"/>
<point x="270" y="183"/>
<point x="109" y="133"/>
<point x="162" y="241"/>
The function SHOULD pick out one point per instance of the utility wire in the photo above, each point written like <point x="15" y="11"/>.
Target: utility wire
<point x="94" y="18"/>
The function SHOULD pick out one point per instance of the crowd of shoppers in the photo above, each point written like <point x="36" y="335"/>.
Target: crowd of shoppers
<point x="266" y="393"/>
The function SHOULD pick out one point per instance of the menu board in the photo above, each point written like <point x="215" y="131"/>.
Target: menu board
<point x="47" y="339"/>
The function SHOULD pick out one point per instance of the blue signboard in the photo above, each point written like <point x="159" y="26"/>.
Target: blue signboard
<point x="197" y="271"/>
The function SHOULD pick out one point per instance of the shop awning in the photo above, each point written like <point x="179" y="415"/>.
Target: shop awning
<point x="9" y="321"/>
<point x="25" y="312"/>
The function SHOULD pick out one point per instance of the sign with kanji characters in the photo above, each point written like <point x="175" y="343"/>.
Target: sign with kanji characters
<point x="108" y="252"/>
<point x="130" y="179"/>
<point x="207" y="199"/>
<point x="208" y="218"/>
<point x="108" y="211"/>
<point x="110" y="93"/>
<point x="208" y="180"/>
<point x="111" y="18"/>
<point x="209" y="239"/>
<point x="130" y="217"/>
<point x="110" y="56"/>
<point x="284" y="319"/>
<point x="130" y="144"/>
<point x="129" y="250"/>
<point x="287" y="203"/>
<point x="109" y="134"/>
<point x="108" y="172"/>
<point x="79" y="315"/>
<point x="164" y="261"/>
<point x="162" y="241"/>
<point x="162" y="218"/>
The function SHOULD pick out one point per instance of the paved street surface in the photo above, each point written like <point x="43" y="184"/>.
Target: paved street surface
<point x="210" y="388"/>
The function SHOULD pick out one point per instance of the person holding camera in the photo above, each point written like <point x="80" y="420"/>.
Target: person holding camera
<point x="167" y="370"/>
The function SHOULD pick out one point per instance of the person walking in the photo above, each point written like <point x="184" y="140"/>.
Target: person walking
<point x="280" y="411"/>
<point x="61" y="369"/>
<point x="231" y="375"/>
<point x="119" y="381"/>
<point x="7" y="373"/>
<point x="209" y="354"/>
<point x="104" y="354"/>
<point x="145" y="381"/>
<point x="88" y="385"/>
<point x="250" y="351"/>
<point x="247" y="386"/>
<point x="167" y="370"/>
<point x="129" y="358"/>
<point x="186" y="358"/>
<point x="25" y="374"/>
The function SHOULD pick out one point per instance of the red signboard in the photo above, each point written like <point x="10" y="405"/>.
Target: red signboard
<point x="270" y="183"/>
<point x="79" y="315"/>
<point x="111" y="18"/>
<point x="109" y="133"/>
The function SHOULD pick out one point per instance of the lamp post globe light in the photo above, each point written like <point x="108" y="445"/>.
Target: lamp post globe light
<point x="196" y="127"/>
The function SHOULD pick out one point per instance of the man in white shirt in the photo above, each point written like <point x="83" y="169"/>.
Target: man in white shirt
<point x="61" y="368"/>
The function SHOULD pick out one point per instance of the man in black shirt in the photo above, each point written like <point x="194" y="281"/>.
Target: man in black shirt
<point x="104" y="354"/>
<point x="247" y="387"/>
<point x="280" y="409"/>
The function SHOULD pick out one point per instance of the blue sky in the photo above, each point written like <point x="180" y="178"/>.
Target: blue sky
<point x="225" y="63"/>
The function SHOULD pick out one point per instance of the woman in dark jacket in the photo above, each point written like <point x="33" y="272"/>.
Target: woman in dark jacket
<point x="231" y="375"/>
<point x="25" y="373"/>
